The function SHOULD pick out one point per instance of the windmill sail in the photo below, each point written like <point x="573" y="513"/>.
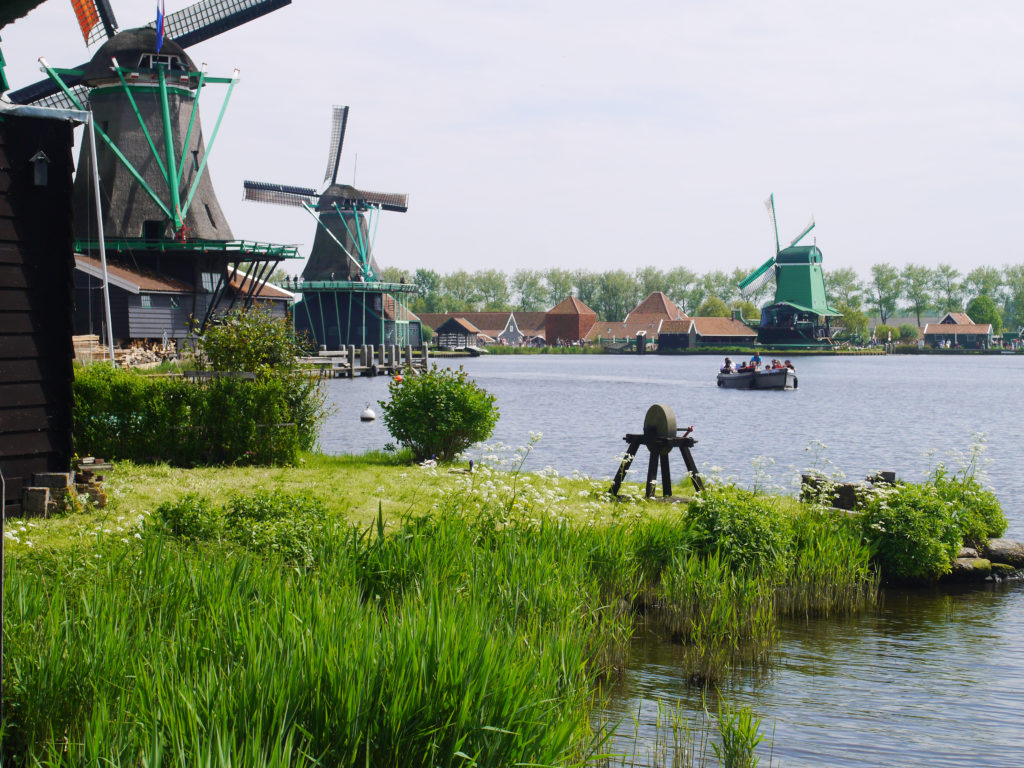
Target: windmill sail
<point x="770" y="205"/>
<point x="803" y="234"/>
<point x="278" y="194"/>
<point x="758" y="277"/>
<point x="210" y="18"/>
<point x="387" y="201"/>
<point x="339" y="121"/>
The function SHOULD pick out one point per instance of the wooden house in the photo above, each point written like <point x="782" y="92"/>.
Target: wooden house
<point x="957" y="330"/>
<point x="36" y="276"/>
<point x="457" y="332"/>
<point x="705" y="332"/>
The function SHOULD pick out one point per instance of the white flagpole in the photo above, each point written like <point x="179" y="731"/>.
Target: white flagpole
<point x="99" y="225"/>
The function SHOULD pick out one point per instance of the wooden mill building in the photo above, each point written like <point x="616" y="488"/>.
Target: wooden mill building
<point x="36" y="273"/>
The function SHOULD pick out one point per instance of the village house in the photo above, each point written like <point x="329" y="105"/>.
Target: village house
<point x="957" y="330"/>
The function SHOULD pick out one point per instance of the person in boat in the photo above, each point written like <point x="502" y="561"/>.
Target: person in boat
<point x="789" y="366"/>
<point x="728" y="367"/>
<point x="755" y="361"/>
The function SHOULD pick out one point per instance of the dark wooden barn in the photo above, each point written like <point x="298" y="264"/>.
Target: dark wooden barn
<point x="36" y="282"/>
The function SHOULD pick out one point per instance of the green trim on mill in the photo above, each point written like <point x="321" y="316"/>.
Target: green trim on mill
<point x="246" y="249"/>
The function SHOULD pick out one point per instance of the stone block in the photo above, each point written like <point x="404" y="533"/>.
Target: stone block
<point x="970" y="569"/>
<point x="1005" y="551"/>
<point x="35" y="502"/>
<point x="51" y="480"/>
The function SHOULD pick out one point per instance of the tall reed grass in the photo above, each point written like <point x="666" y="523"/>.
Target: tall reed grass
<point x="265" y="632"/>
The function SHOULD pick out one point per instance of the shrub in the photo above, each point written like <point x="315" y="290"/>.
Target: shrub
<point x="192" y="516"/>
<point x="749" y="529"/>
<point x="975" y="511"/>
<point x="439" y="413"/>
<point x="249" y="340"/>
<point x="882" y="332"/>
<point x="912" y="532"/>
<point x="907" y="332"/>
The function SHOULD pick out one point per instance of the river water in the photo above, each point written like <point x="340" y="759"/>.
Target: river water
<point x="933" y="678"/>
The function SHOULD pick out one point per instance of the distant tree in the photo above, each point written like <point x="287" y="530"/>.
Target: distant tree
<point x="678" y="282"/>
<point x="618" y="294"/>
<point x="559" y="285"/>
<point x="885" y="289"/>
<point x="395" y="275"/>
<point x="722" y="284"/>
<point x="431" y="296"/>
<point x="460" y="289"/>
<point x="884" y="333"/>
<point x="1013" y="279"/>
<point x="713" y="306"/>
<point x="588" y="289"/>
<point x="854" y="321"/>
<point x="981" y="309"/>
<point x="492" y="288"/>
<point x="748" y="309"/>
<point x="983" y="281"/>
<point x="916" y="282"/>
<point x="844" y="287"/>
<point x="650" y="279"/>
<point x="530" y="291"/>
<point x="947" y="289"/>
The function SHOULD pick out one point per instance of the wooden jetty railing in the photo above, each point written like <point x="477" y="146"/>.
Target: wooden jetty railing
<point x="366" y="360"/>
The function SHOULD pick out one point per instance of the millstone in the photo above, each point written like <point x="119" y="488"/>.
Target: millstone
<point x="660" y="421"/>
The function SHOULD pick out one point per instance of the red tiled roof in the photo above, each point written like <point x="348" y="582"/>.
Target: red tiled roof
<point x="491" y="323"/>
<point x="571" y="306"/>
<point x="657" y="303"/>
<point x="461" y="322"/>
<point x="958" y="318"/>
<point x="142" y="281"/>
<point x="240" y="283"/>
<point x="676" y="326"/>
<point x="395" y="311"/>
<point x="958" y="329"/>
<point x="722" y="326"/>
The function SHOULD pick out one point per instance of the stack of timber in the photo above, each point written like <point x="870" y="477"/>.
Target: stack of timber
<point x="88" y="349"/>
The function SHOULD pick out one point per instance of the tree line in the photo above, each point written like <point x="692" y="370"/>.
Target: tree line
<point x="988" y="294"/>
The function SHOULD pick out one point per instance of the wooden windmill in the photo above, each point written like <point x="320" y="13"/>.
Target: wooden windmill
<point x="800" y="313"/>
<point x="159" y="210"/>
<point x="344" y="301"/>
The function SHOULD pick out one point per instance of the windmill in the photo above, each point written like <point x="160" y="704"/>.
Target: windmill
<point x="800" y="312"/>
<point x="159" y="210"/>
<point x="344" y="301"/>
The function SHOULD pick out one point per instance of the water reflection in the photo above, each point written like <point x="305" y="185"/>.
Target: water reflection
<point x="931" y="679"/>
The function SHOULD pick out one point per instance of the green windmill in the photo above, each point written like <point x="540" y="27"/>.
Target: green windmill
<point x="800" y="314"/>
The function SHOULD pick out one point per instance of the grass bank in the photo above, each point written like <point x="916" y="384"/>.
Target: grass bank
<point x="354" y="611"/>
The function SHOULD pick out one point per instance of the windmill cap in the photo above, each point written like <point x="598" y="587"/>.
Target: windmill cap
<point x="799" y="254"/>
<point x="128" y="47"/>
<point x="339" y="193"/>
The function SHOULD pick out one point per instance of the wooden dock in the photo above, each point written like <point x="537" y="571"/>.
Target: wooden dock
<point x="366" y="360"/>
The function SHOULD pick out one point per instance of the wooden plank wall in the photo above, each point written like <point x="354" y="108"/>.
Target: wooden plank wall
<point x="36" y="306"/>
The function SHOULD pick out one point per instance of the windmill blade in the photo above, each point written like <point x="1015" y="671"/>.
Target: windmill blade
<point x="388" y="201"/>
<point x="757" y="278"/>
<point x="95" y="19"/>
<point x="770" y="205"/>
<point x="803" y="234"/>
<point x="278" y="194"/>
<point x="339" y="121"/>
<point x="42" y="93"/>
<point x="210" y="18"/>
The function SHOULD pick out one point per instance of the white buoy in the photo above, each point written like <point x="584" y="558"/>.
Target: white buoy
<point x="368" y="414"/>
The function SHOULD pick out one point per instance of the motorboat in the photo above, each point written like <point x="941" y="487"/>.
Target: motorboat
<point x="768" y="378"/>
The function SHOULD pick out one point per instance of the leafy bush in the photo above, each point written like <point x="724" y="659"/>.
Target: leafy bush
<point x="882" y="333"/>
<point x="265" y="521"/>
<point x="976" y="511"/>
<point x="438" y="413"/>
<point x="249" y="340"/>
<point x="912" y="531"/>
<point x="192" y="516"/>
<point x="908" y="332"/>
<point x="749" y="530"/>
<point x="228" y="419"/>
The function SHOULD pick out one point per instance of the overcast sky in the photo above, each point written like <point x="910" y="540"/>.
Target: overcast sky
<point x="605" y="135"/>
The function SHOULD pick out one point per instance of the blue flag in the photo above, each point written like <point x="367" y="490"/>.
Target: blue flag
<point x="159" y="25"/>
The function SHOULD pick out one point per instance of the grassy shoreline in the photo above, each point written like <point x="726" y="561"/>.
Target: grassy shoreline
<point x="435" y="616"/>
